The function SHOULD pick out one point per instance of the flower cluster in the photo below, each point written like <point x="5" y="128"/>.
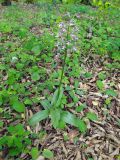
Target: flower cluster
<point x="67" y="35"/>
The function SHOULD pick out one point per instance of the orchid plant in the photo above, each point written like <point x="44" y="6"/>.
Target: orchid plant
<point x="66" y="45"/>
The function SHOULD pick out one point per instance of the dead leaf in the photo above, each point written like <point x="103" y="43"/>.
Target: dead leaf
<point x="72" y="134"/>
<point x="95" y="103"/>
<point x="40" y="158"/>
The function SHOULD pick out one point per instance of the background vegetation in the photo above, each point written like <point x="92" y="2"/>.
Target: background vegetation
<point x="59" y="64"/>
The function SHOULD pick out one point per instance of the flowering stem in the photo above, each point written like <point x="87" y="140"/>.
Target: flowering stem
<point x="64" y="61"/>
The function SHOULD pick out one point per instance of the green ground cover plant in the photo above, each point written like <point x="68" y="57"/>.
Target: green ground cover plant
<point x="59" y="77"/>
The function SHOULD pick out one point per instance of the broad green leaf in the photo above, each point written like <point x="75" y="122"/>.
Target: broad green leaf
<point x="45" y="103"/>
<point x="100" y="84"/>
<point x="14" y="151"/>
<point x="10" y="140"/>
<point x="2" y="67"/>
<point x="39" y="117"/>
<point x="5" y="27"/>
<point x="19" y="129"/>
<point x="81" y="125"/>
<point x="1" y="110"/>
<point x="1" y="124"/>
<point x="116" y="56"/>
<point x="80" y="92"/>
<point x="111" y="92"/>
<point x="16" y="130"/>
<point x="34" y="153"/>
<point x="73" y="120"/>
<point x="88" y="75"/>
<point x="36" y="49"/>
<point x="73" y="96"/>
<point x="28" y="101"/>
<point x="61" y="124"/>
<point x="13" y="99"/>
<point x="92" y="116"/>
<point x="48" y="154"/>
<point x="35" y="76"/>
<point x="11" y="79"/>
<point x="54" y="98"/>
<point x="55" y="117"/>
<point x="18" y="141"/>
<point x="3" y="140"/>
<point x="69" y="118"/>
<point x="80" y="108"/>
<point x="102" y="75"/>
<point x="23" y="32"/>
<point x="18" y="106"/>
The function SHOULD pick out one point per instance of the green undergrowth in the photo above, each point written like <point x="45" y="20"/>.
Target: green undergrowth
<point x="29" y="74"/>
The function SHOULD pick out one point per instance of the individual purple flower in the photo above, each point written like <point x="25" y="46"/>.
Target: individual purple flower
<point x="74" y="49"/>
<point x="61" y="25"/>
<point x="74" y="37"/>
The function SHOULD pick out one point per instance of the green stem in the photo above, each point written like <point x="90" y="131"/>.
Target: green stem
<point x="64" y="62"/>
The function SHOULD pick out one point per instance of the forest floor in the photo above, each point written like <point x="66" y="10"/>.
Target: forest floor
<point x="29" y="73"/>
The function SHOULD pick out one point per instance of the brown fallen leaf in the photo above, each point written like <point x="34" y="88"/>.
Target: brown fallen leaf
<point x="40" y="158"/>
<point x="95" y="103"/>
<point x="78" y="156"/>
<point x="72" y="134"/>
<point x="83" y="86"/>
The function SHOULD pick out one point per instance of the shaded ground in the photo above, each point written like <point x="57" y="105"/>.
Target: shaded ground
<point x="102" y="140"/>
